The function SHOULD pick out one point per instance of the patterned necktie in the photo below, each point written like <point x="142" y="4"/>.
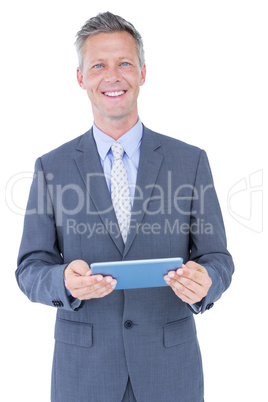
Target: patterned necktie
<point x="120" y="190"/>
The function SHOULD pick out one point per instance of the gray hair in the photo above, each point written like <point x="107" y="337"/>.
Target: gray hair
<point x="107" y="23"/>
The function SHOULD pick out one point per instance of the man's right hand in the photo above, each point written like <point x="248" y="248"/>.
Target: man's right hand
<point x="83" y="285"/>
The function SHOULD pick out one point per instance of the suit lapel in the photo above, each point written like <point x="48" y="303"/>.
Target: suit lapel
<point x="149" y="165"/>
<point x="89" y="166"/>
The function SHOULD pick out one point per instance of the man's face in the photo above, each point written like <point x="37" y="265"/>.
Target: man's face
<point x="112" y="76"/>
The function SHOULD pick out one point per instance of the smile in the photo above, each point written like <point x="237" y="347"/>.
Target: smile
<point x="114" y="94"/>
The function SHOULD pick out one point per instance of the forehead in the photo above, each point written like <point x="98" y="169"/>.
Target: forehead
<point x="115" y="44"/>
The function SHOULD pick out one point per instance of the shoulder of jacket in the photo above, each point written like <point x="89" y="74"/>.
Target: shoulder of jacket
<point x="173" y="144"/>
<point x="64" y="150"/>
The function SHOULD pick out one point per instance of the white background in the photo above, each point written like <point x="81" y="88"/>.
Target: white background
<point x="207" y="85"/>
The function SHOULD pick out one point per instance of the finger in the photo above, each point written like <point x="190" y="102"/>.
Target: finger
<point x="201" y="278"/>
<point x="196" y="281"/>
<point x="190" y="289"/>
<point x="88" y="287"/>
<point x="106" y="283"/>
<point x="97" y="291"/>
<point x="185" y="295"/>
<point x="104" y="290"/>
<point x="77" y="282"/>
<point x="184" y="282"/>
<point x="98" y="282"/>
<point x="192" y="274"/>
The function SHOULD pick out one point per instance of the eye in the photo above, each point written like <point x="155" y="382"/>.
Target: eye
<point x="125" y="63"/>
<point x="98" y="66"/>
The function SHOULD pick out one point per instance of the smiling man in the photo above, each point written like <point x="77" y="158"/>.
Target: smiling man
<point x="144" y="196"/>
<point x="112" y="74"/>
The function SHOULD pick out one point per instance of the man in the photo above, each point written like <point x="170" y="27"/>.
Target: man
<point x="136" y="344"/>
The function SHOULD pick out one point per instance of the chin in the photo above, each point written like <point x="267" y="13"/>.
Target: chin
<point x="117" y="115"/>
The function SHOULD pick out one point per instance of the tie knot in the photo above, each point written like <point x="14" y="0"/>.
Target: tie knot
<point x="117" y="150"/>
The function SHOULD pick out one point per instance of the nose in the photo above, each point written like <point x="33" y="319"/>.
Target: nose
<point x="112" y="74"/>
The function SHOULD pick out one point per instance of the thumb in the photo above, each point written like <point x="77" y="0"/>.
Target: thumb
<point x="195" y="266"/>
<point x="79" y="268"/>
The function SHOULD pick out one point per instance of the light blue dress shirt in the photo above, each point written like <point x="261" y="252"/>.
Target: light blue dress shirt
<point x="131" y="142"/>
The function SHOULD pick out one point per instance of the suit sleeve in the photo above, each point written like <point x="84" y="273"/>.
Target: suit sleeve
<point x="40" y="271"/>
<point x="208" y="244"/>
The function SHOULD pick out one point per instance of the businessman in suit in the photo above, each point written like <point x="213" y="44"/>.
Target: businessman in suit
<point x="122" y="345"/>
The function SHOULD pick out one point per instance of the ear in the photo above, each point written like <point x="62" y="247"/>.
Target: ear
<point x="80" y="78"/>
<point x="143" y="75"/>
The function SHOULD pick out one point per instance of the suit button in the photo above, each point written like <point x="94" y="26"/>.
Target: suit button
<point x="57" y="303"/>
<point x="128" y="324"/>
<point x="209" y="306"/>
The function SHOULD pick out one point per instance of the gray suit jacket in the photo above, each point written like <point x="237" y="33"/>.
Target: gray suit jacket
<point x="147" y="334"/>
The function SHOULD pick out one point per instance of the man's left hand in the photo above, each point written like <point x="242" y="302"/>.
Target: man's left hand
<point x="190" y="283"/>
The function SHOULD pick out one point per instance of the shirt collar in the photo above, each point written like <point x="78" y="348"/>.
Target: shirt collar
<point x="130" y="141"/>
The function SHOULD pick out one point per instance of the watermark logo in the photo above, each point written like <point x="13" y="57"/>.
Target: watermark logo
<point x="245" y="201"/>
<point x="69" y="199"/>
<point x="13" y="194"/>
<point x="174" y="227"/>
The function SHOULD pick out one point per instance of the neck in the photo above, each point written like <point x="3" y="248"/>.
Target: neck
<point x="115" y="128"/>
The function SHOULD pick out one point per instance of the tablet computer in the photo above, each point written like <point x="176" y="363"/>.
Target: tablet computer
<point x="137" y="273"/>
